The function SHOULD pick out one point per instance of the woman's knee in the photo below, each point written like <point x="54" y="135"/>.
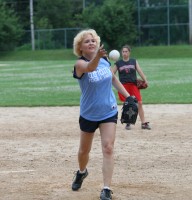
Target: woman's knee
<point x="108" y="149"/>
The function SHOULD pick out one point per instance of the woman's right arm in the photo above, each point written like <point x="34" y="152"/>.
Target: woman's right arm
<point x="82" y="66"/>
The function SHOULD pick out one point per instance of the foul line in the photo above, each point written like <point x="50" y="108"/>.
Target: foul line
<point x="16" y="171"/>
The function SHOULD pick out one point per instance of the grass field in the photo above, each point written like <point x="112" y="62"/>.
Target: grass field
<point x="178" y="51"/>
<point x="49" y="82"/>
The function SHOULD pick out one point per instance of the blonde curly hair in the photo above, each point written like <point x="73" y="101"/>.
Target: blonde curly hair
<point x="79" y="38"/>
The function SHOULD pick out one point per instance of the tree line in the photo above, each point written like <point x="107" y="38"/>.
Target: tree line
<point x="116" y="21"/>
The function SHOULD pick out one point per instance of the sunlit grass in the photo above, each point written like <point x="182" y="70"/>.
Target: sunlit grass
<point x="37" y="83"/>
<point x="50" y="83"/>
<point x="169" y="80"/>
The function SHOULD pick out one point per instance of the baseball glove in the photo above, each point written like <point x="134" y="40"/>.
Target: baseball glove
<point x="129" y="110"/>
<point x="141" y="84"/>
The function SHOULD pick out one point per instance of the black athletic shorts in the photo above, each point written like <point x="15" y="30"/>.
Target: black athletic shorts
<point x="91" y="126"/>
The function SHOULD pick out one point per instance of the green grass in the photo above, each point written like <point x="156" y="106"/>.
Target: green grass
<point x="38" y="55"/>
<point x="50" y="83"/>
<point x="169" y="80"/>
<point x="184" y="51"/>
<point x="46" y="78"/>
<point x="178" y="51"/>
<point x="38" y="83"/>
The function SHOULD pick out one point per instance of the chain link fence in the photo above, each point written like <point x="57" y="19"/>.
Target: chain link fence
<point x="164" y="23"/>
<point x="51" y="38"/>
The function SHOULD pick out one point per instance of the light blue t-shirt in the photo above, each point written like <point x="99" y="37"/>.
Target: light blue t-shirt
<point x="98" y="101"/>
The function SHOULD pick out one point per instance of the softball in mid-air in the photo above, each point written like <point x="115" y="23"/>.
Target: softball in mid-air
<point x="114" y="55"/>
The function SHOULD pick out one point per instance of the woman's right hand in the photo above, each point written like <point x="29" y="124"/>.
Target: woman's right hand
<point x="101" y="51"/>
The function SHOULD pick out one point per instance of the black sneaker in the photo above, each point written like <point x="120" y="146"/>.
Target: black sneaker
<point x="128" y="127"/>
<point x="146" y="126"/>
<point x="79" y="180"/>
<point x="106" y="194"/>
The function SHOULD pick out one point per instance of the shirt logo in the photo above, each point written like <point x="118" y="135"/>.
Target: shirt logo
<point x="99" y="75"/>
<point x="127" y="68"/>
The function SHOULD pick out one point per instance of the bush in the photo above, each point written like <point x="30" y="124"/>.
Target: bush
<point x="10" y="28"/>
<point x="114" y="24"/>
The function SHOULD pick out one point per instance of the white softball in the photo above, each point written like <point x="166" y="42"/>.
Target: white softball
<point x="114" y="55"/>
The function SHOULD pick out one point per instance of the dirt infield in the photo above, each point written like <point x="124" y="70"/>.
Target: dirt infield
<point x="38" y="148"/>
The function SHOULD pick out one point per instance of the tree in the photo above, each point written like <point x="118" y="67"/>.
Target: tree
<point x="55" y="14"/>
<point x="10" y="28"/>
<point x="113" y="21"/>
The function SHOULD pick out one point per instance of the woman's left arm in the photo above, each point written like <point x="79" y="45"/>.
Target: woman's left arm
<point x="140" y="72"/>
<point x="118" y="86"/>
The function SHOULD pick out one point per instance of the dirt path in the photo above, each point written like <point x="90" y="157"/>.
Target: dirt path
<point x="39" y="145"/>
